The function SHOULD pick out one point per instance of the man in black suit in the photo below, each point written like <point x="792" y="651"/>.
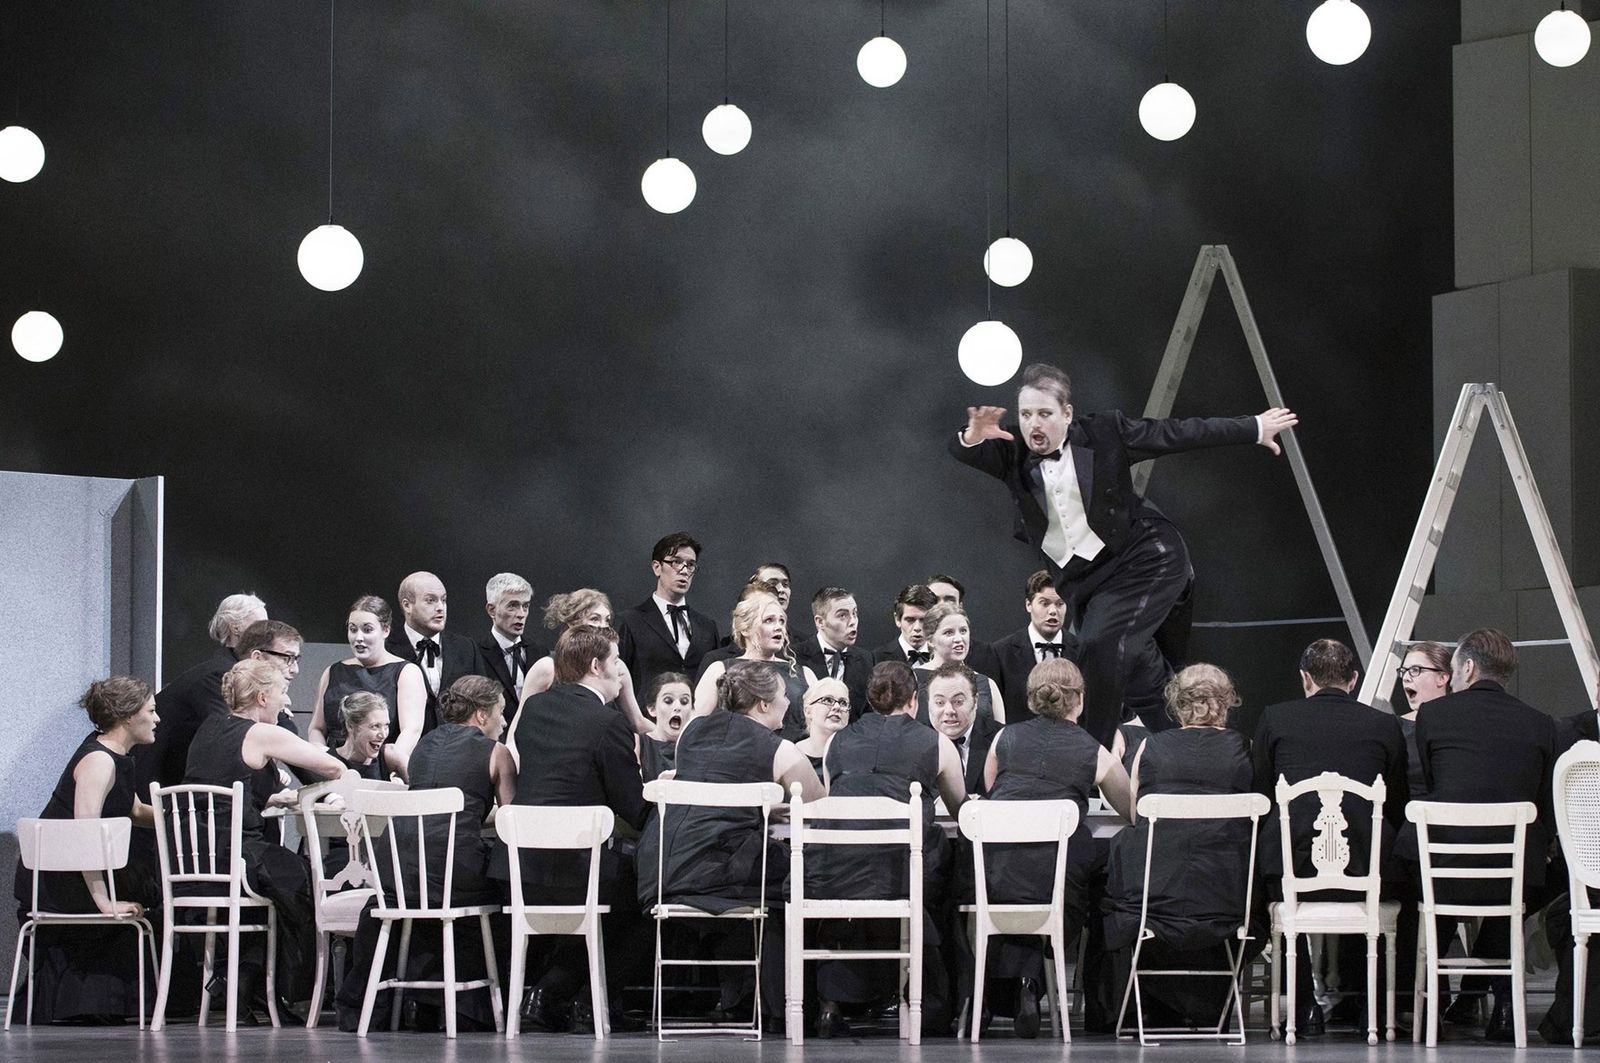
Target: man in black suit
<point x="953" y="711"/>
<point x="663" y="633"/>
<point x="575" y="749"/>
<point x="1044" y="637"/>
<point x="1480" y="744"/>
<point x="980" y="657"/>
<point x="1122" y="568"/>
<point x="185" y="702"/>
<point x="506" y="650"/>
<point x="443" y="656"/>
<point x="1329" y="730"/>
<point x="832" y="650"/>
<point x="911" y="646"/>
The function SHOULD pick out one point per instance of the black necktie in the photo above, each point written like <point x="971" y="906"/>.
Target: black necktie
<point x="916" y="657"/>
<point x="835" y="662"/>
<point x="518" y="661"/>
<point x="680" y="621"/>
<point x="1048" y="649"/>
<point x="427" y="653"/>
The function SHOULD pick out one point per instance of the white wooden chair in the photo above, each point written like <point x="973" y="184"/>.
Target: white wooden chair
<point x="1154" y="808"/>
<point x="74" y="846"/>
<point x="907" y="911"/>
<point x="1513" y="815"/>
<point x="568" y="828"/>
<point x="1330" y="856"/>
<point x="378" y="809"/>
<point x="1008" y="823"/>
<point x="1577" y="793"/>
<point x="670" y="793"/>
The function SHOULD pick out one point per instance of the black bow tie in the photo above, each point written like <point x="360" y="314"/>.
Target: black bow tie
<point x="916" y="657"/>
<point x="519" y="659"/>
<point x="1049" y="649"/>
<point x="680" y="616"/>
<point x="961" y="743"/>
<point x="835" y="661"/>
<point x="1035" y="459"/>
<point x="427" y="652"/>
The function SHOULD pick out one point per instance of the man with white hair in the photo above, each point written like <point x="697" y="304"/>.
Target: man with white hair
<point x="506" y="650"/>
<point x="442" y="655"/>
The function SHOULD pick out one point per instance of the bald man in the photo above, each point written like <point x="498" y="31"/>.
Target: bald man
<point x="442" y="655"/>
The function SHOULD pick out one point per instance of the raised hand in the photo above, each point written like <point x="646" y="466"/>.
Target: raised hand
<point x="983" y="422"/>
<point x="1273" y="421"/>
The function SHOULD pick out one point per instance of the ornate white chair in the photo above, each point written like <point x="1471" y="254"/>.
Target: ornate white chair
<point x="1577" y="792"/>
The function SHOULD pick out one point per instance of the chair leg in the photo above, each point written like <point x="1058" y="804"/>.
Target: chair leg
<point x="1432" y="938"/>
<point x="1388" y="961"/>
<point x="163" y="979"/>
<point x="793" y="975"/>
<point x="660" y="1016"/>
<point x="448" y="930"/>
<point x="374" y="977"/>
<point x="916" y="975"/>
<point x="314" y="1009"/>
<point x="493" y="967"/>
<point x="1274" y="1030"/>
<point x="208" y="967"/>
<point x="605" y="979"/>
<point x="272" y="966"/>
<point x="597" y="984"/>
<point x="1519" y="985"/>
<point x="1291" y="977"/>
<point x="16" y="968"/>
<point x="140" y="928"/>
<point x="1127" y="989"/>
<point x="233" y="971"/>
<point x="519" y="965"/>
<point x="1580" y="974"/>
<point x="1058" y="944"/>
<point x="980" y="970"/>
<point x="397" y="1001"/>
<point x="1372" y="989"/>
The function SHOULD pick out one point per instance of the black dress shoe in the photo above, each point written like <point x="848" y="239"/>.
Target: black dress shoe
<point x="622" y="1021"/>
<point x="1025" y="1022"/>
<point x="542" y="1011"/>
<point x="831" y="1021"/>
<point x="1309" y="1023"/>
<point x="1500" y="1027"/>
<point x="349" y="1018"/>
<point x="1464" y="1010"/>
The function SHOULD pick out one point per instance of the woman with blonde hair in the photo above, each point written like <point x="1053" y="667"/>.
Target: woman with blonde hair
<point x="950" y="639"/>
<point x="827" y="712"/>
<point x="760" y="628"/>
<point x="584" y="607"/>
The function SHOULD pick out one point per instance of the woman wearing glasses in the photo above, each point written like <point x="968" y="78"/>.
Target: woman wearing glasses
<point x="1424" y="676"/>
<point x="370" y="667"/>
<point x="827" y="710"/>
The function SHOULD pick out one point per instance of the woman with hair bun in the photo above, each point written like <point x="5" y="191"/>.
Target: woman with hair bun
<point x="367" y="750"/>
<point x="90" y="973"/>
<point x="371" y="667"/>
<point x="584" y="607"/>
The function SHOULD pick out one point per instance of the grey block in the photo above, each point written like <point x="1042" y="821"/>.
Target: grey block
<point x="1465" y="331"/>
<point x="315" y="657"/>
<point x="1585" y="456"/>
<point x="1445" y="617"/>
<point x="1566" y="157"/>
<point x="1492" y="182"/>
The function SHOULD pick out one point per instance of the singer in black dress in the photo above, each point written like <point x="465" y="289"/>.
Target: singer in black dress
<point x="372" y="668"/>
<point x="761" y="627"/>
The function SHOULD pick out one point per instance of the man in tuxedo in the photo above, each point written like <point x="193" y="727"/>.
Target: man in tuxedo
<point x="1120" y="566"/>
<point x="185" y="702"/>
<point x="575" y="749"/>
<point x="911" y="647"/>
<point x="278" y="644"/>
<point x="832" y="650"/>
<point x="506" y="650"/>
<point x="663" y="633"/>
<point x="1042" y="638"/>
<point x="443" y="656"/>
<point x="953" y="711"/>
<point x="776" y="575"/>
<point x="980" y="656"/>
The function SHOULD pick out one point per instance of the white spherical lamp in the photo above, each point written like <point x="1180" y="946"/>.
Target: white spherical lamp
<point x="726" y="129"/>
<point x="668" y="185"/>
<point x="330" y="258"/>
<point x="881" y="62"/>
<point x="21" y="154"/>
<point x="1008" y="262"/>
<point x="1167" y="111"/>
<point x="1562" y="38"/>
<point x="990" y="353"/>
<point x="36" y="336"/>
<point x="1338" y="32"/>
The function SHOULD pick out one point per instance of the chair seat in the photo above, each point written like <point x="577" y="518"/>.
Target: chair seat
<point x="689" y="911"/>
<point x="62" y="918"/>
<point x="855" y="909"/>
<point x="215" y="901"/>
<point x="340" y="912"/>
<point x="533" y="910"/>
<point x="1334" y="917"/>
<point x="1017" y="918"/>
<point x="436" y="913"/>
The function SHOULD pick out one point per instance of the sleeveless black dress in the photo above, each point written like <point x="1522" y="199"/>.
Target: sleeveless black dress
<point x="347" y="679"/>
<point x="655" y="757"/>
<point x="89" y="970"/>
<point x="712" y="856"/>
<point x="452" y="754"/>
<point x="1043" y="759"/>
<point x="981" y="694"/>
<point x="372" y="769"/>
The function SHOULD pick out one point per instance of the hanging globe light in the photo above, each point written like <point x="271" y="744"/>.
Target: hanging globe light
<point x="726" y="129"/>
<point x="1338" y="32"/>
<point x="21" y="154"/>
<point x="36" y="336"/>
<point x="330" y="258"/>
<point x="989" y="353"/>
<point x="1167" y="111"/>
<point x="1008" y="262"/>
<point x="881" y="62"/>
<point x="668" y="185"/>
<point x="1562" y="37"/>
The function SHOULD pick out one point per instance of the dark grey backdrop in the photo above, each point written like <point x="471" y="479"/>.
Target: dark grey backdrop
<point x="537" y="372"/>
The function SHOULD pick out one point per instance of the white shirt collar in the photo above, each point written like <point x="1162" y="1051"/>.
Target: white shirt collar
<point x="906" y="648"/>
<point x="1034" y="636"/>
<point x="504" y="643"/>
<point x="415" y="638"/>
<point x="662" y="603"/>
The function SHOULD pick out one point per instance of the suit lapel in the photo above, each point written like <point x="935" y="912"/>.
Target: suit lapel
<point x="1083" y="462"/>
<point x="658" y="623"/>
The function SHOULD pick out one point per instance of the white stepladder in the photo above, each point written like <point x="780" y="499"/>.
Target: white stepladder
<point x="1394" y="636"/>
<point x="1175" y="360"/>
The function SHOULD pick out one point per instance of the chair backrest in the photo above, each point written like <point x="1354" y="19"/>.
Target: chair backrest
<point x="380" y="811"/>
<point x="664" y="793"/>
<point x="188" y="825"/>
<point x="1577" y="794"/>
<point x="867" y="812"/>
<point x="1018" y="822"/>
<point x="1330" y="844"/>
<point x="323" y="818"/>
<point x="1156" y="807"/>
<point x="74" y="845"/>
<point x="1515" y="815"/>
<point x="554" y="827"/>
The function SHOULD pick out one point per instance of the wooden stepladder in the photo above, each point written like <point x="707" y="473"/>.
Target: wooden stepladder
<point x="1175" y="360"/>
<point x="1394" y="636"/>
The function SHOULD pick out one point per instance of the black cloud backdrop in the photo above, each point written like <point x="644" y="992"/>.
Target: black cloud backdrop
<point x="536" y="372"/>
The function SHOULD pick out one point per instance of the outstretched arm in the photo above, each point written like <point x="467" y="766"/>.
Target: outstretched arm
<point x="982" y="443"/>
<point x="1150" y="437"/>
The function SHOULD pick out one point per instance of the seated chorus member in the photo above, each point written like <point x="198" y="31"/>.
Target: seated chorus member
<point x="948" y="589"/>
<point x="185" y="702"/>
<point x="584" y="607"/>
<point x="443" y="656"/>
<point x="241" y="747"/>
<point x="506" y="651"/>
<point x="373" y="668"/>
<point x="366" y="749"/>
<point x="1046" y="757"/>
<point x="953" y="710"/>
<point x="760" y="629"/>
<point x="880" y="755"/>
<point x="90" y="973"/>
<point x="1043" y="638"/>
<point x="910" y="647"/>
<point x="950" y="639"/>
<point x="577" y="750"/>
<point x="671" y="704"/>
<point x="832" y="650"/>
<point x="663" y="633"/>
<point x="1424" y="677"/>
<point x="827" y="710"/>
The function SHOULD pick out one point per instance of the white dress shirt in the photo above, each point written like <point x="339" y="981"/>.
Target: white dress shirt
<point x="431" y="674"/>
<point x="1034" y="638"/>
<point x="517" y="675"/>
<point x="682" y="627"/>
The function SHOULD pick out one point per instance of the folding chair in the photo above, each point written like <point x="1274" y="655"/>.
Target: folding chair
<point x="1515" y="815"/>
<point x="557" y="827"/>
<point x="1578" y="823"/>
<point x="907" y="911"/>
<point x="672" y="793"/>
<point x="1156" y="807"/>
<point x="186" y="841"/>
<point x="378" y="810"/>
<point x="1330" y="856"/>
<point x="1007" y="823"/>
<point x="74" y="846"/>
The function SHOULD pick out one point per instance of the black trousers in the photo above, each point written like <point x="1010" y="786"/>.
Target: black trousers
<point x="1132" y="613"/>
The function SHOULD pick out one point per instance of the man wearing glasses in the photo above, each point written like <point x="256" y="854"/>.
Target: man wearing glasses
<point x="278" y="643"/>
<point x="663" y="633"/>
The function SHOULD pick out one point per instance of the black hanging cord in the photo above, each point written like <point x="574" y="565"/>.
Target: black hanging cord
<point x="16" y="58"/>
<point x="669" y="79"/>
<point x="1166" y="72"/>
<point x="1008" y="113"/>
<point x="330" y="112"/>
<point x="724" y="51"/>
<point x="988" y="209"/>
<point x="883" y="21"/>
